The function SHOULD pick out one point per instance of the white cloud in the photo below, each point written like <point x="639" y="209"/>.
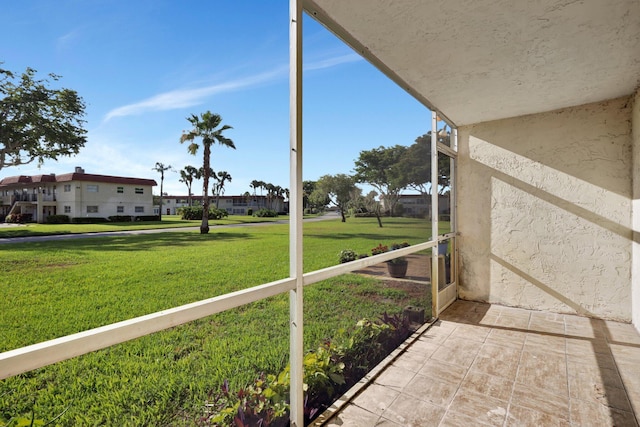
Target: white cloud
<point x="332" y="62"/>
<point x="183" y="98"/>
<point x="67" y="40"/>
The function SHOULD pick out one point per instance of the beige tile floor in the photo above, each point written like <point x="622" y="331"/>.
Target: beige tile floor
<point x="484" y="364"/>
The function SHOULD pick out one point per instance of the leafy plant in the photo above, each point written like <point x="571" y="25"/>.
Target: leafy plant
<point x="258" y="404"/>
<point x="88" y="220"/>
<point x="195" y="212"/>
<point x="347" y="255"/>
<point x="384" y="248"/>
<point x="380" y="249"/>
<point x="395" y="246"/>
<point x="120" y="218"/>
<point x="268" y="213"/>
<point x="329" y="371"/>
<point x="20" y="218"/>
<point x="58" y="219"/>
<point x="398" y="260"/>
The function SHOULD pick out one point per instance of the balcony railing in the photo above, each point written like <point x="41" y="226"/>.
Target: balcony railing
<point x="35" y="356"/>
<point x="21" y="360"/>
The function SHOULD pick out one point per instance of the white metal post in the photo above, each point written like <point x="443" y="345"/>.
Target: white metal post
<point x="453" y="201"/>
<point x="295" y="214"/>
<point x="435" y="280"/>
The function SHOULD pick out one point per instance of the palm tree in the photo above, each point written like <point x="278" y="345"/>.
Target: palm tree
<point x="206" y="128"/>
<point x="187" y="175"/>
<point x="262" y="186"/>
<point x="270" y="193"/>
<point x="279" y="194"/>
<point x="254" y="184"/>
<point x="221" y="177"/>
<point x="160" y="167"/>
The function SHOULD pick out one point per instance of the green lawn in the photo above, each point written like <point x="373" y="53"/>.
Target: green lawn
<point x="168" y="221"/>
<point x="51" y="289"/>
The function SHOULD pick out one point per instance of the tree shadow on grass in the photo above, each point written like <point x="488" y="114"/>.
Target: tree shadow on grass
<point x="371" y="236"/>
<point x="133" y="242"/>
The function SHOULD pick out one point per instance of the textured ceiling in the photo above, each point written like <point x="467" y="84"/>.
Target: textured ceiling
<point x="481" y="60"/>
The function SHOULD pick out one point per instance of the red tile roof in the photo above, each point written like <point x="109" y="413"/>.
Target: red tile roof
<point x="75" y="176"/>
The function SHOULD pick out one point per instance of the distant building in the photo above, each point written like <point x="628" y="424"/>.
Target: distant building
<point x="419" y="205"/>
<point x="76" y="194"/>
<point x="234" y="205"/>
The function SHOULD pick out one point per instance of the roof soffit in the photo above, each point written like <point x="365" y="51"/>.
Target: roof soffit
<point x="481" y="60"/>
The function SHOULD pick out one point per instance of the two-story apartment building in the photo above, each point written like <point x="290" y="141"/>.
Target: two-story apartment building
<point x="234" y="205"/>
<point x="76" y="194"/>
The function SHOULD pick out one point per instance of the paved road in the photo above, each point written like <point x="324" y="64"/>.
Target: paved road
<point x="6" y="240"/>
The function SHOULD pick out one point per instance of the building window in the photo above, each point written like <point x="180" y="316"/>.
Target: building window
<point x="67" y="188"/>
<point x="120" y="190"/>
<point x="120" y="209"/>
<point x="92" y="209"/>
<point x="92" y="188"/>
<point x="67" y="209"/>
<point x="139" y="190"/>
<point x="139" y="209"/>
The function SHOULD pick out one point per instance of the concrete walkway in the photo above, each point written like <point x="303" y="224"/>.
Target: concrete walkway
<point x="25" y="239"/>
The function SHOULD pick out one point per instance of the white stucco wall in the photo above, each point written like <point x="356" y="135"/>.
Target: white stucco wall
<point x="545" y="210"/>
<point x="635" y="124"/>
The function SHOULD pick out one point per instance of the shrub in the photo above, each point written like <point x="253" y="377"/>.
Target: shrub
<point x="329" y="371"/>
<point x="215" y="213"/>
<point x="190" y="212"/>
<point x="120" y="218"/>
<point x="249" y="211"/>
<point x="347" y="255"/>
<point x="147" y="218"/>
<point x="195" y="213"/>
<point x="58" y="219"/>
<point x="19" y="218"/>
<point x="266" y="213"/>
<point x="88" y="220"/>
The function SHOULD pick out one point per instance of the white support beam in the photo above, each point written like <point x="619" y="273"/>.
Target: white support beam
<point x="296" y="345"/>
<point x="434" y="213"/>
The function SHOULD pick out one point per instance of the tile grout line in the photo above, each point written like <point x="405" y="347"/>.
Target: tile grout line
<point x="566" y="367"/>
<point x="515" y="379"/>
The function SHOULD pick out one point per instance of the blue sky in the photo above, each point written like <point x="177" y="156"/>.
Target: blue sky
<point x="143" y="66"/>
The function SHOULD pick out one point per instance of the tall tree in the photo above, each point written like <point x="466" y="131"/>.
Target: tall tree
<point x="307" y="190"/>
<point x="415" y="165"/>
<point x="254" y="184"/>
<point x="36" y="122"/>
<point x="262" y="186"/>
<point x="369" y="204"/>
<point x="187" y="175"/>
<point x="218" y="188"/>
<point x="161" y="168"/>
<point x="206" y="128"/>
<point x="338" y="189"/>
<point x="270" y="194"/>
<point x="380" y="168"/>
